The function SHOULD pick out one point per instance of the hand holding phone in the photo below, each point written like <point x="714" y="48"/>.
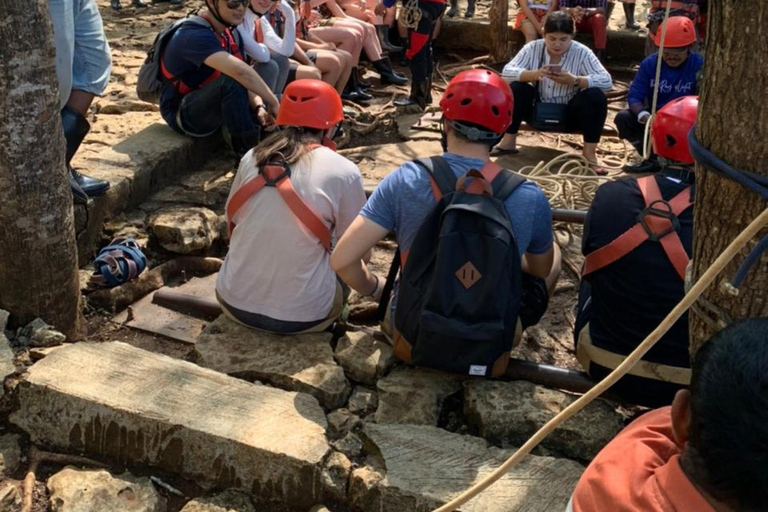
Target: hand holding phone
<point x="553" y="69"/>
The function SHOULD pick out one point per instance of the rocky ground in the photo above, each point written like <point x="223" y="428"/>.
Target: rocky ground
<point x="213" y="417"/>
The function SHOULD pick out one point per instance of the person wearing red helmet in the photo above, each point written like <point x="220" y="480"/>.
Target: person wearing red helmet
<point x="477" y="109"/>
<point x="637" y="243"/>
<point x="680" y="70"/>
<point x="292" y="197"/>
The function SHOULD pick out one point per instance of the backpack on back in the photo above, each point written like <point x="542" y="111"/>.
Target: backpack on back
<point x="150" y="81"/>
<point x="459" y="296"/>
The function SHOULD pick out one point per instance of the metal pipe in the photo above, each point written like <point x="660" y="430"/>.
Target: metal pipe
<point x="549" y="376"/>
<point x="200" y="307"/>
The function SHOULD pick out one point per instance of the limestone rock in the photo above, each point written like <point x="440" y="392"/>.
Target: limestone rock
<point x="508" y="413"/>
<point x="228" y="501"/>
<point x="3" y="319"/>
<point x="350" y="445"/>
<point x="74" y="490"/>
<point x="414" y="395"/>
<point x="185" y="230"/>
<point x="6" y="361"/>
<point x="340" y="422"/>
<point x="426" y="467"/>
<point x="296" y="363"/>
<point x="43" y="335"/>
<point x="363" y="401"/>
<point x="336" y="477"/>
<point x="10" y="496"/>
<point x="364" y="358"/>
<point x="118" y="402"/>
<point x="10" y="455"/>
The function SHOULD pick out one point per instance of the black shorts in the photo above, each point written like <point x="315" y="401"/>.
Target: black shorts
<point x="293" y="66"/>
<point x="534" y="300"/>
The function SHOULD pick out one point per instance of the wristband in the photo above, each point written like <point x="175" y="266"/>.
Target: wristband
<point x="642" y="114"/>
<point x="376" y="287"/>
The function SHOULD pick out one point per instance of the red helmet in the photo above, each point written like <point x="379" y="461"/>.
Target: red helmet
<point x="680" y="33"/>
<point x="310" y="103"/>
<point x="479" y="97"/>
<point x="669" y="131"/>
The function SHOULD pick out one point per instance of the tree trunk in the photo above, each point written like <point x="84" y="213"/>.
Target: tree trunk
<point x="732" y="125"/>
<point x="499" y="16"/>
<point x="38" y="253"/>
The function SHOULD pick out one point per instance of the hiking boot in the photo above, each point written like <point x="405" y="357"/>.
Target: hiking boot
<point x="140" y="4"/>
<point x="78" y="194"/>
<point x="76" y="127"/>
<point x="386" y="45"/>
<point x="417" y="98"/>
<point x="470" y="9"/>
<point x="352" y="90"/>
<point x="362" y="84"/>
<point x="389" y="75"/>
<point x="629" y="15"/>
<point x="646" y="166"/>
<point x="115" y="4"/>
<point x="454" y="10"/>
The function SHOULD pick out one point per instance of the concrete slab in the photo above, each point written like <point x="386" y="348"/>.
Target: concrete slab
<point x="149" y="317"/>
<point x="301" y="362"/>
<point x="121" y="403"/>
<point x="426" y="467"/>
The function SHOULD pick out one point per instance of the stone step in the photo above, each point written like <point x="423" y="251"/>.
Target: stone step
<point x="302" y="362"/>
<point x="130" y="406"/>
<point x="426" y="467"/>
<point x="135" y="168"/>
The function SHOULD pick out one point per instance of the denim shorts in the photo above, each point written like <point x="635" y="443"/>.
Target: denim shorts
<point x="83" y="60"/>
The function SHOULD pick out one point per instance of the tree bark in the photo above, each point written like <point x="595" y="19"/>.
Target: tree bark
<point x="732" y="125"/>
<point x="499" y="16"/>
<point x="38" y="253"/>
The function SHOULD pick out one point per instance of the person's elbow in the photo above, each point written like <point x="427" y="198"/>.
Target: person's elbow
<point x="338" y="262"/>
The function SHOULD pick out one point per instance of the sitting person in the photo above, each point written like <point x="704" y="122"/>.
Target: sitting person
<point x="625" y="294"/>
<point x="589" y="17"/>
<point x="679" y="76"/>
<point x="371" y="44"/>
<point x="476" y="110"/>
<point x="365" y="11"/>
<point x="277" y="275"/>
<point x="213" y="85"/>
<point x="83" y="66"/>
<point x="530" y="19"/>
<point x="687" y="8"/>
<point x="707" y="452"/>
<point x="560" y="70"/>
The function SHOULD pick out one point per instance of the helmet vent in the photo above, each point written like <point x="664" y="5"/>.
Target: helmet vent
<point x="495" y="110"/>
<point x="465" y="102"/>
<point x="671" y="141"/>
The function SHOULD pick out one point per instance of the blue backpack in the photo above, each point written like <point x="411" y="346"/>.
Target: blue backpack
<point x="459" y="295"/>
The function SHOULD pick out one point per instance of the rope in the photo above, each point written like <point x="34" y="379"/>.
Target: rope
<point x="410" y="14"/>
<point x="654" y="104"/>
<point x="695" y="292"/>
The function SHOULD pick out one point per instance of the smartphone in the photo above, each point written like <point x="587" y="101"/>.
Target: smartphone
<point x="554" y="68"/>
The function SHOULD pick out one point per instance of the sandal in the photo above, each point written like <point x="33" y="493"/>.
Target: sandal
<point x="497" y="151"/>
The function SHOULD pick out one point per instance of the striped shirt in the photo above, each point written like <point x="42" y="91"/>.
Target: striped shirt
<point x="587" y="4"/>
<point x="578" y="60"/>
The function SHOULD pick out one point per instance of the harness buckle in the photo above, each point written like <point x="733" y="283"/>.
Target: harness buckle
<point x="665" y="213"/>
<point x="270" y="179"/>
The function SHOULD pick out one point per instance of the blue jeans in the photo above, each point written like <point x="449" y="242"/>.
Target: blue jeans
<point x="223" y="101"/>
<point x="83" y="61"/>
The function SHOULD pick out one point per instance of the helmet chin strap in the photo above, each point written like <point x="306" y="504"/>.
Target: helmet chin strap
<point x="214" y="10"/>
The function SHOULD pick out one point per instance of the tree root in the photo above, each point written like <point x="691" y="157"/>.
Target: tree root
<point x="36" y="457"/>
<point x="120" y="297"/>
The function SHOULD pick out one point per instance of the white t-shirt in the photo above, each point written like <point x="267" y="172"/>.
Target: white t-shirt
<point x="259" y="51"/>
<point x="275" y="266"/>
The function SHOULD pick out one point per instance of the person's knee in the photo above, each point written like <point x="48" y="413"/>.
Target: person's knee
<point x="596" y="99"/>
<point x="599" y="20"/>
<point x="233" y="89"/>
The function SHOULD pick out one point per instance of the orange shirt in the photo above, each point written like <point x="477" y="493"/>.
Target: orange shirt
<point x="639" y="471"/>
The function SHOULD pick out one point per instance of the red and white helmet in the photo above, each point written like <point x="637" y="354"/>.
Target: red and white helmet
<point x="480" y="98"/>
<point x="669" y="131"/>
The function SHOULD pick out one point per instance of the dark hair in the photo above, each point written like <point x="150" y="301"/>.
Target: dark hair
<point x="559" y="21"/>
<point x="727" y="451"/>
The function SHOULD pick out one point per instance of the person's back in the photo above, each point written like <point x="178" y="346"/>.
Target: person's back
<point x="277" y="274"/>
<point x="621" y="302"/>
<point x="706" y="453"/>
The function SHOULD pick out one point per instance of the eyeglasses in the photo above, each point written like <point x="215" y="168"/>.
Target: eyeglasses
<point x="234" y="4"/>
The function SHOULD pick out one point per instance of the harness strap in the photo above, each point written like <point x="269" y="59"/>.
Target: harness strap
<point x="278" y="177"/>
<point x="649" y="227"/>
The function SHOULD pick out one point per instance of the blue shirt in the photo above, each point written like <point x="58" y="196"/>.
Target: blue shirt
<point x="184" y="55"/>
<point x="674" y="82"/>
<point x="404" y="198"/>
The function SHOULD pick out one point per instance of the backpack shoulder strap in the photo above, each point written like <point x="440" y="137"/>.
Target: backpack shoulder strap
<point x="505" y="183"/>
<point x="441" y="176"/>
